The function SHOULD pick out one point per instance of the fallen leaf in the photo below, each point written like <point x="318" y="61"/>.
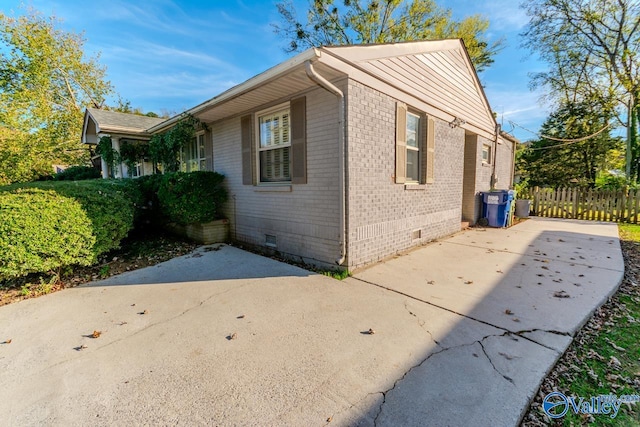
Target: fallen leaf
<point x="371" y="331"/>
<point x="509" y="312"/>
<point x="240" y="317"/>
<point x="96" y="334"/>
<point x="329" y="419"/>
<point x="617" y="347"/>
<point x="233" y="336"/>
<point x="80" y="347"/>
<point x="7" y="341"/>
<point x="468" y="282"/>
<point x="613" y="361"/>
<point x="431" y="282"/>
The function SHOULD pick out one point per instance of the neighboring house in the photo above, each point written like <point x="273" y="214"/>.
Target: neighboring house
<point x="347" y="155"/>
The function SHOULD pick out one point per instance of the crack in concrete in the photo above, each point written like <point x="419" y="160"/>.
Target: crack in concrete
<point x="384" y="393"/>
<point x="484" y="350"/>
<point x="421" y="323"/>
<point x="442" y="350"/>
<point x="507" y="331"/>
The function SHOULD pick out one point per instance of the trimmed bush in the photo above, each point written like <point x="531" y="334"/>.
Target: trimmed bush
<point x="41" y="231"/>
<point x="194" y="197"/>
<point x="110" y="207"/>
<point x="77" y="173"/>
<point x="148" y="214"/>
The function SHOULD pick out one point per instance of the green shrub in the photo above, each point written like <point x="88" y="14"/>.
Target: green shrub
<point x="608" y="181"/>
<point x="109" y="205"/>
<point x="192" y="197"/>
<point x="41" y="231"/>
<point x="77" y="173"/>
<point x="147" y="188"/>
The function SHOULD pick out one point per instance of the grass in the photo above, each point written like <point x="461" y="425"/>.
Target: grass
<point x="605" y="356"/>
<point x="337" y="274"/>
<point x="629" y="232"/>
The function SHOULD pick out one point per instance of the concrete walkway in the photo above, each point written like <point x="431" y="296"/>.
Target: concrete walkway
<point x="465" y="330"/>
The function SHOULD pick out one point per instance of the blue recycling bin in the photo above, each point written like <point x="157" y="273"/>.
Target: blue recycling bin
<point x="496" y="207"/>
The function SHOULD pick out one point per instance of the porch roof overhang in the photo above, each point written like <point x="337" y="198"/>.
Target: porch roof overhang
<point x="101" y="122"/>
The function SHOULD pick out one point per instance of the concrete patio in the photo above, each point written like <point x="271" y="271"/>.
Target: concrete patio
<point x="465" y="330"/>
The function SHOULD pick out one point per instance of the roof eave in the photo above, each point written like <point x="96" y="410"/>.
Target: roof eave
<point x="262" y="78"/>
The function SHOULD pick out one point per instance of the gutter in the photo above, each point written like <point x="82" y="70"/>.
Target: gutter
<point x="321" y="81"/>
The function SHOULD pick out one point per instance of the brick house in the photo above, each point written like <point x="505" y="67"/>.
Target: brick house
<point x="347" y="155"/>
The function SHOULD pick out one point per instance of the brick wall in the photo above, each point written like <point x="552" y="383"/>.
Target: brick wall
<point x="383" y="216"/>
<point x="304" y="218"/>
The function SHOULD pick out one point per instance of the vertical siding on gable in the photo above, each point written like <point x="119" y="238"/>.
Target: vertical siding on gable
<point x="381" y="214"/>
<point x="305" y="221"/>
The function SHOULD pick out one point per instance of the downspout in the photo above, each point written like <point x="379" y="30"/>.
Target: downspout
<point x="494" y="178"/>
<point x="321" y="81"/>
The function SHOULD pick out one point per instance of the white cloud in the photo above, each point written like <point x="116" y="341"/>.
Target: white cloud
<point x="504" y="15"/>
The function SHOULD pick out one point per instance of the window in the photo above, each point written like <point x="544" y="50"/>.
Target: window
<point x="193" y="157"/>
<point x="486" y="154"/>
<point x="274" y="145"/>
<point x="413" y="149"/>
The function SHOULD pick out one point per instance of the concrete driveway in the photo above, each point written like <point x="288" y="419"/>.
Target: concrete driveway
<point x="465" y="330"/>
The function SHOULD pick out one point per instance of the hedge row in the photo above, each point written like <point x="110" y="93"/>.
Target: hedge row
<point x="42" y="231"/>
<point x="185" y="198"/>
<point x="48" y="225"/>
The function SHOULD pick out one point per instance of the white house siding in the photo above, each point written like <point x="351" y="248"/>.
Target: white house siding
<point x="305" y="220"/>
<point x="382" y="215"/>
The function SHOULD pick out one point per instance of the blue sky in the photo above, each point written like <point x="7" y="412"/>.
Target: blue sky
<point x="170" y="55"/>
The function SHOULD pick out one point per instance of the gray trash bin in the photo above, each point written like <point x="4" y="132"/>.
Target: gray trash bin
<point x="522" y="208"/>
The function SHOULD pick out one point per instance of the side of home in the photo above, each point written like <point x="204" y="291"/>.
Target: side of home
<point x="347" y="155"/>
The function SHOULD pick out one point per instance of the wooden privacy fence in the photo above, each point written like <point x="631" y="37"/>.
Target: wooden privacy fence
<point x="590" y="204"/>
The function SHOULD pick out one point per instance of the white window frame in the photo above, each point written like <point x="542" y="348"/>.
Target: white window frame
<point x="198" y="154"/>
<point x="417" y="148"/>
<point x="486" y="148"/>
<point x="258" y="146"/>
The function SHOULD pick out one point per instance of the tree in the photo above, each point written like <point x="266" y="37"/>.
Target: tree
<point x="382" y="21"/>
<point x="591" y="47"/>
<point x="45" y="84"/>
<point x="555" y="163"/>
